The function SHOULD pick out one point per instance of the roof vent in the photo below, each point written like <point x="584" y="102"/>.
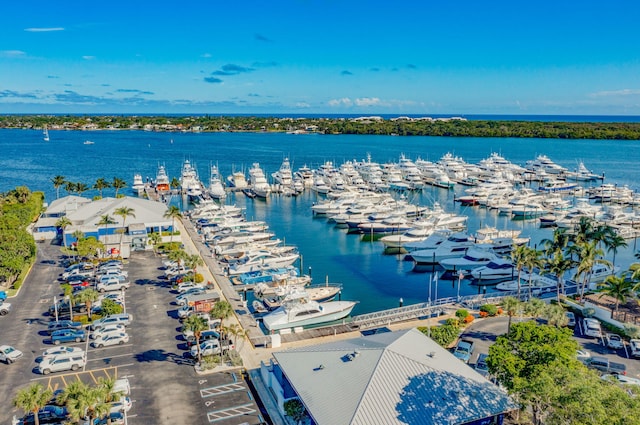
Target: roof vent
<point x="432" y="354"/>
<point x="319" y="367"/>
<point x="351" y="356"/>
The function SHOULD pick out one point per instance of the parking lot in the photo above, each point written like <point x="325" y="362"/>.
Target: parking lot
<point x="164" y="385"/>
<point x="484" y="333"/>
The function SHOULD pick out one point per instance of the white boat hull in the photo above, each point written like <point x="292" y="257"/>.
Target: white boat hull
<point x="333" y="310"/>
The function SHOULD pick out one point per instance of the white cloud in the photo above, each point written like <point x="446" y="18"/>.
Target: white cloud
<point x="623" y="92"/>
<point x="302" y="105"/>
<point x="12" y="53"/>
<point x="88" y="58"/>
<point x="345" y="101"/>
<point x="44" y="29"/>
<point x="367" y="101"/>
<point x="205" y="55"/>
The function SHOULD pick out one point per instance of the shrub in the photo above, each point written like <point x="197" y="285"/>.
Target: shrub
<point x="469" y="319"/>
<point x="500" y="311"/>
<point x="490" y="309"/>
<point x="82" y="318"/>
<point x="483" y="314"/>
<point x="198" y="278"/>
<point x="443" y="335"/>
<point x="462" y="313"/>
<point x="453" y="321"/>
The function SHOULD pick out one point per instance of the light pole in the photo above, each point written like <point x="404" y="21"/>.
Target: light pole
<point x="68" y="298"/>
<point x="460" y="276"/>
<point x="55" y="307"/>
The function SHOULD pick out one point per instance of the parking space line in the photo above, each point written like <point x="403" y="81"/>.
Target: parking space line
<point x="231" y="412"/>
<point x="221" y="389"/>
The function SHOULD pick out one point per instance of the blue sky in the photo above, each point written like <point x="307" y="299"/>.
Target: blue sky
<point x="312" y="56"/>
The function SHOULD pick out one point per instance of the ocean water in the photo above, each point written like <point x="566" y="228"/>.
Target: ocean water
<point x="376" y="280"/>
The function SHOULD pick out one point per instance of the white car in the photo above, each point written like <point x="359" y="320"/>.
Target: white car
<point x="182" y="298"/>
<point x="614" y="341"/>
<point x="185" y="286"/>
<point x="8" y="354"/>
<point x="61" y="363"/>
<point x="571" y="319"/>
<point x="107" y="330"/>
<point x="185" y="311"/>
<point x="110" y="339"/>
<point x="62" y="350"/>
<point x="122" y="386"/>
<point x="122" y="405"/>
<point x="114" y="296"/>
<point x="622" y="379"/>
<point x="634" y="348"/>
<point x="583" y="356"/>
<point x="591" y="327"/>
<point x="112" y="284"/>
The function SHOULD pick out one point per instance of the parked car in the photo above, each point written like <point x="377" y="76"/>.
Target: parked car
<point x="115" y="296"/>
<point x="112" y="269"/>
<point x="614" y="341"/>
<point x="464" y="350"/>
<point x="591" y="327"/>
<point x="63" y="308"/>
<point x="204" y="336"/>
<point x="604" y="365"/>
<point x="76" y="279"/>
<point x="211" y="348"/>
<point x="8" y="354"/>
<point x="176" y="270"/>
<point x="68" y="335"/>
<point x="122" y="319"/>
<point x="122" y="386"/>
<point x="571" y="319"/>
<point x="78" y="272"/>
<point x="5" y="308"/>
<point x="112" y="284"/>
<point x="481" y="364"/>
<point x="62" y="324"/>
<point x="110" y="339"/>
<point x="61" y="363"/>
<point x="185" y="286"/>
<point x="212" y="324"/>
<point x="47" y="415"/>
<point x="182" y="298"/>
<point x="634" y="348"/>
<point x="122" y="405"/>
<point x="116" y="328"/>
<point x="583" y="355"/>
<point x="185" y="311"/>
<point x="109" y="276"/>
<point x="61" y="350"/>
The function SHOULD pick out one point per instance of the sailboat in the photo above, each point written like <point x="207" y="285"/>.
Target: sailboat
<point x="45" y="134"/>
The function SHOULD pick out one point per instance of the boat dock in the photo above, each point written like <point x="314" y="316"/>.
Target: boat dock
<point x="236" y="296"/>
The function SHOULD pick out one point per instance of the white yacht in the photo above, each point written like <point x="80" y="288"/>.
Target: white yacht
<point x="237" y="180"/>
<point x="189" y="182"/>
<point x="138" y="185"/>
<point x="538" y="283"/>
<point x="499" y="268"/>
<point x="455" y="246"/>
<point x="301" y="311"/>
<point x="216" y="189"/>
<point x="258" y="181"/>
<point x="162" y="180"/>
<point x="473" y="258"/>
<point x="261" y="261"/>
<point x="284" y="176"/>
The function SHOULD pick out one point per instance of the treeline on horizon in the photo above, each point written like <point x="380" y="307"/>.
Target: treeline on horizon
<point x="396" y="127"/>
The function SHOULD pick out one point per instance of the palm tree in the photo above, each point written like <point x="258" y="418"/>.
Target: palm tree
<point x="70" y="187"/>
<point x="177" y="255"/>
<point x="175" y="183"/>
<point x="559" y="241"/>
<point x="88" y="297"/>
<point x="532" y="260"/>
<point x="612" y="242"/>
<point x="588" y="255"/>
<point x="81" y="188"/>
<point x="511" y="307"/>
<point x="124" y="212"/>
<point x="118" y="184"/>
<point x="108" y="385"/>
<point x="519" y="258"/>
<point x="155" y="239"/>
<point x="106" y="220"/>
<point x="63" y="222"/>
<point x="558" y="265"/>
<point x="32" y="399"/>
<point x="58" y="182"/>
<point x="193" y="261"/>
<point x="221" y="310"/>
<point x="173" y="212"/>
<point x="555" y="315"/>
<point x="197" y="325"/>
<point x="619" y="288"/>
<point x="535" y="307"/>
<point x="101" y="184"/>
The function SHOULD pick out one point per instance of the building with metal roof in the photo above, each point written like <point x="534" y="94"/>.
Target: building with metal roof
<point x="85" y="215"/>
<point x="400" y="377"/>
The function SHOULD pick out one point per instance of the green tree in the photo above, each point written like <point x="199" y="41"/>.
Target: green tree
<point x="588" y="256"/>
<point x="70" y="187"/>
<point x="106" y="220"/>
<point x="118" y="184"/>
<point x="221" y="310"/>
<point x="519" y="258"/>
<point x="124" y="212"/>
<point x="178" y="255"/>
<point x="532" y="260"/>
<point x="618" y="288"/>
<point x="558" y="264"/>
<point x="110" y="307"/>
<point x="32" y="399"/>
<point x="58" y="182"/>
<point x="89" y="247"/>
<point x="155" y="239"/>
<point x="101" y="184"/>
<point x="81" y="188"/>
<point x="535" y="307"/>
<point x="555" y="315"/>
<point x="193" y="261"/>
<point x="175" y="183"/>
<point x="197" y="325"/>
<point x="173" y="212"/>
<point x="62" y="223"/>
<point x="88" y="297"/>
<point x="295" y="409"/>
<point x="511" y="306"/>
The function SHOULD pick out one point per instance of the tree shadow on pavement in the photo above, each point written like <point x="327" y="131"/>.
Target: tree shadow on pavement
<point x="159" y="355"/>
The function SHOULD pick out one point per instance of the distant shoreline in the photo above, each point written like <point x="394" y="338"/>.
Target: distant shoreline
<point x="440" y="126"/>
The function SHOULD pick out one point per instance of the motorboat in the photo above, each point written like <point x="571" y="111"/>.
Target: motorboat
<point x="318" y="293"/>
<point x="300" y="311"/>
<point x="258" y="182"/>
<point x="162" y="180"/>
<point x="433" y="240"/>
<point x="189" y="182"/>
<point x="264" y="276"/>
<point x="533" y="282"/>
<point x="138" y="185"/>
<point x="473" y="258"/>
<point x="500" y="268"/>
<point x="454" y="246"/>
<point x="599" y="272"/>
<point x="284" y="175"/>
<point x="237" y="180"/>
<point x="261" y="261"/>
<point x="216" y="188"/>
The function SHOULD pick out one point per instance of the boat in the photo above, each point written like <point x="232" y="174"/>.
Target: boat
<point x="538" y="283"/>
<point x="237" y="180"/>
<point x="261" y="261"/>
<point x="499" y="268"/>
<point x="138" y="185"/>
<point x="45" y="134"/>
<point x="284" y="175"/>
<point x="300" y="311"/>
<point x="216" y="189"/>
<point x="473" y="258"/>
<point x="86" y="142"/>
<point x="264" y="276"/>
<point x="189" y="182"/>
<point x="162" y="181"/>
<point x="318" y="293"/>
<point x="258" y="182"/>
<point x="454" y="246"/>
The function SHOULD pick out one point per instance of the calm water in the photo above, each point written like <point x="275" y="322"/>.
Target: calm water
<point x="378" y="281"/>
